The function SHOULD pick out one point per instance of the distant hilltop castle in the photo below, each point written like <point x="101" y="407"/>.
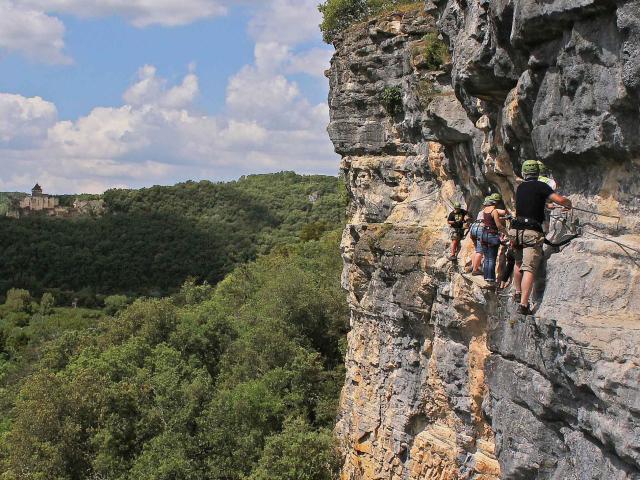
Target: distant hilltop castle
<point x="39" y="203"/>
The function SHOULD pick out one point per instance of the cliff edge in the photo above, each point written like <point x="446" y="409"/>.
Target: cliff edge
<point x="444" y="379"/>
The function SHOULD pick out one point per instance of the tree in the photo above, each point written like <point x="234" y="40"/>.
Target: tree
<point x="18" y="300"/>
<point x="239" y="382"/>
<point x="47" y="302"/>
<point x="151" y="240"/>
<point x="115" y="303"/>
<point x="299" y="453"/>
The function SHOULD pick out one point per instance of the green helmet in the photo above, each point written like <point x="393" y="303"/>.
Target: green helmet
<point x="495" y="197"/>
<point x="530" y="168"/>
<point x="457" y="205"/>
<point x="543" y="169"/>
<point x="487" y="201"/>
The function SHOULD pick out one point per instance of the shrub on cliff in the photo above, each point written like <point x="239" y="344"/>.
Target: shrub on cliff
<point x="435" y="52"/>
<point x="391" y="99"/>
<point x="339" y="15"/>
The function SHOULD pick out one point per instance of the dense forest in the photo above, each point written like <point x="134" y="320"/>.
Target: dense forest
<point x="236" y="381"/>
<point x="151" y="240"/>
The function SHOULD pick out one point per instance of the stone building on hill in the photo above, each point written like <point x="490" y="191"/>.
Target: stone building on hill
<point x="39" y="203"/>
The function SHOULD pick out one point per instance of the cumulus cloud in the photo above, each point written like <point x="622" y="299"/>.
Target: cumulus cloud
<point x="278" y="27"/>
<point x="140" y="13"/>
<point x="158" y="136"/>
<point x="24" y="121"/>
<point x="31" y="33"/>
<point x="312" y="62"/>
<point x="288" y="22"/>
<point x="149" y="89"/>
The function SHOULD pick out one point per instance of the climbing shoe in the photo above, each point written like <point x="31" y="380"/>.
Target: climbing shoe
<point x="476" y="273"/>
<point x="517" y="297"/>
<point x="524" y="310"/>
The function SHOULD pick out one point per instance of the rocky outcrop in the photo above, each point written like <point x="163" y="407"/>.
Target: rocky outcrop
<point x="444" y="380"/>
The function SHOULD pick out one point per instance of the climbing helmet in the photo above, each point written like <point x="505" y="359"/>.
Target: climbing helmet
<point x="530" y="168"/>
<point x="495" y="197"/>
<point x="543" y="169"/>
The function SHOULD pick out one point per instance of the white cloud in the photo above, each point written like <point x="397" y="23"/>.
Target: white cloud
<point x="277" y="57"/>
<point x="286" y="21"/>
<point x="157" y="136"/>
<point x="312" y="62"/>
<point x="151" y="90"/>
<point x="140" y="13"/>
<point x="24" y="120"/>
<point x="278" y="26"/>
<point x="31" y="33"/>
<point x="255" y="94"/>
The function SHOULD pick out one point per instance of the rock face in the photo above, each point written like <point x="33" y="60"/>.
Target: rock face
<point x="444" y="379"/>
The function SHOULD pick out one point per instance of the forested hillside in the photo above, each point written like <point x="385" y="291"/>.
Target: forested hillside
<point x="6" y="198"/>
<point x="237" y="381"/>
<point x="152" y="240"/>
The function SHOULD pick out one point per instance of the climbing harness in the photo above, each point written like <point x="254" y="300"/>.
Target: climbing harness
<point x="520" y="224"/>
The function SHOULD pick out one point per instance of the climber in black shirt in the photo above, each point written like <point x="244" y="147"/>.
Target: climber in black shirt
<point x="457" y="220"/>
<point x="527" y="234"/>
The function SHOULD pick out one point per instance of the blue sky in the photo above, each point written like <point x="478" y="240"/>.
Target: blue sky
<point x="122" y="93"/>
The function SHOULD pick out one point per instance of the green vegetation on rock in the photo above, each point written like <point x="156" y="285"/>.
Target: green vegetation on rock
<point x="434" y="51"/>
<point x="338" y="15"/>
<point x="391" y="99"/>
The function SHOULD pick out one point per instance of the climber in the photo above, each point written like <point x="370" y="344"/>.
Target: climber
<point x="475" y="232"/>
<point x="493" y="226"/>
<point x="527" y="235"/>
<point x="509" y="265"/>
<point x="457" y="219"/>
<point x="546" y="176"/>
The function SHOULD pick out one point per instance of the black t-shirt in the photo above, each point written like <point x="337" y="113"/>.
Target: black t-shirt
<point x="458" y="217"/>
<point x="531" y="199"/>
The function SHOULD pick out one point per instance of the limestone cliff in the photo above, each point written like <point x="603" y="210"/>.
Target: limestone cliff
<point x="445" y="380"/>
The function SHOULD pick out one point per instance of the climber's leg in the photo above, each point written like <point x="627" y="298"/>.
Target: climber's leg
<point x="456" y="237"/>
<point x="454" y="248"/>
<point x="508" y="270"/>
<point x="476" y="261"/>
<point x="528" y="279"/>
<point x="517" y="276"/>
<point x="531" y="257"/>
<point x="490" y="251"/>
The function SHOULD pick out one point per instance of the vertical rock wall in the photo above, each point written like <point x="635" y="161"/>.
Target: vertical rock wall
<point x="444" y="380"/>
